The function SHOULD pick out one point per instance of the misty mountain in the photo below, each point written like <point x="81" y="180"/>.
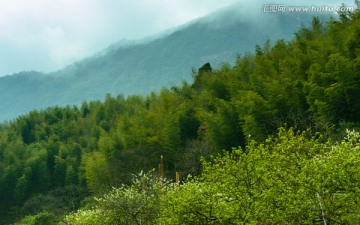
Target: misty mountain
<point x="140" y="67"/>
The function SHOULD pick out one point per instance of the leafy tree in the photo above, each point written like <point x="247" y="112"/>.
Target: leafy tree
<point x="98" y="173"/>
<point x="291" y="179"/>
<point x="134" y="204"/>
<point x="44" y="218"/>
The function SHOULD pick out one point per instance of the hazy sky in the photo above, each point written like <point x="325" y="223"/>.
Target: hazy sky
<point x="46" y="35"/>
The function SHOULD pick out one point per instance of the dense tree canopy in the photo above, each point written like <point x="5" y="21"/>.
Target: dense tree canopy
<point x="311" y="83"/>
<point x="290" y="179"/>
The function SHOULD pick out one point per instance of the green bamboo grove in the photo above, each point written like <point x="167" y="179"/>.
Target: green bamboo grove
<point x="270" y="140"/>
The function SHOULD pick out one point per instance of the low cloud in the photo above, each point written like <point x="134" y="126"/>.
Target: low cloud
<point x="47" y="35"/>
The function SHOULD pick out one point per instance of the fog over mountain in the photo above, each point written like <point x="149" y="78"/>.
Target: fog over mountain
<point x="139" y="67"/>
<point x="47" y="35"/>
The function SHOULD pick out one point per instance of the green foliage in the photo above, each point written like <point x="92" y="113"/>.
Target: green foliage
<point x="44" y="218"/>
<point x="290" y="179"/>
<point x="58" y="201"/>
<point x="138" y="203"/>
<point x="310" y="83"/>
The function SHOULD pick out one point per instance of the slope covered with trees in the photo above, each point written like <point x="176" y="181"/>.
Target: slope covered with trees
<point x="51" y="160"/>
<point x="290" y="180"/>
<point x="142" y="67"/>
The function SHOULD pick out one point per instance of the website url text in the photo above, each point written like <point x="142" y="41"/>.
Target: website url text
<point x="278" y="8"/>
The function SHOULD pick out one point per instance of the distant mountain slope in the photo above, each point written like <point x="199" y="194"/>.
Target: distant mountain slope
<point x="142" y="68"/>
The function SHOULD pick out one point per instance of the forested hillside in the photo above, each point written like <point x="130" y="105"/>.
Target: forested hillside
<point x="142" y="67"/>
<point x="52" y="160"/>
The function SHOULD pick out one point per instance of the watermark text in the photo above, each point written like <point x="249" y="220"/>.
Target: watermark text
<point x="281" y="8"/>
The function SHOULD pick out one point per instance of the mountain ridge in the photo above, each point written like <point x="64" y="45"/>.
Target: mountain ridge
<point x="140" y="68"/>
